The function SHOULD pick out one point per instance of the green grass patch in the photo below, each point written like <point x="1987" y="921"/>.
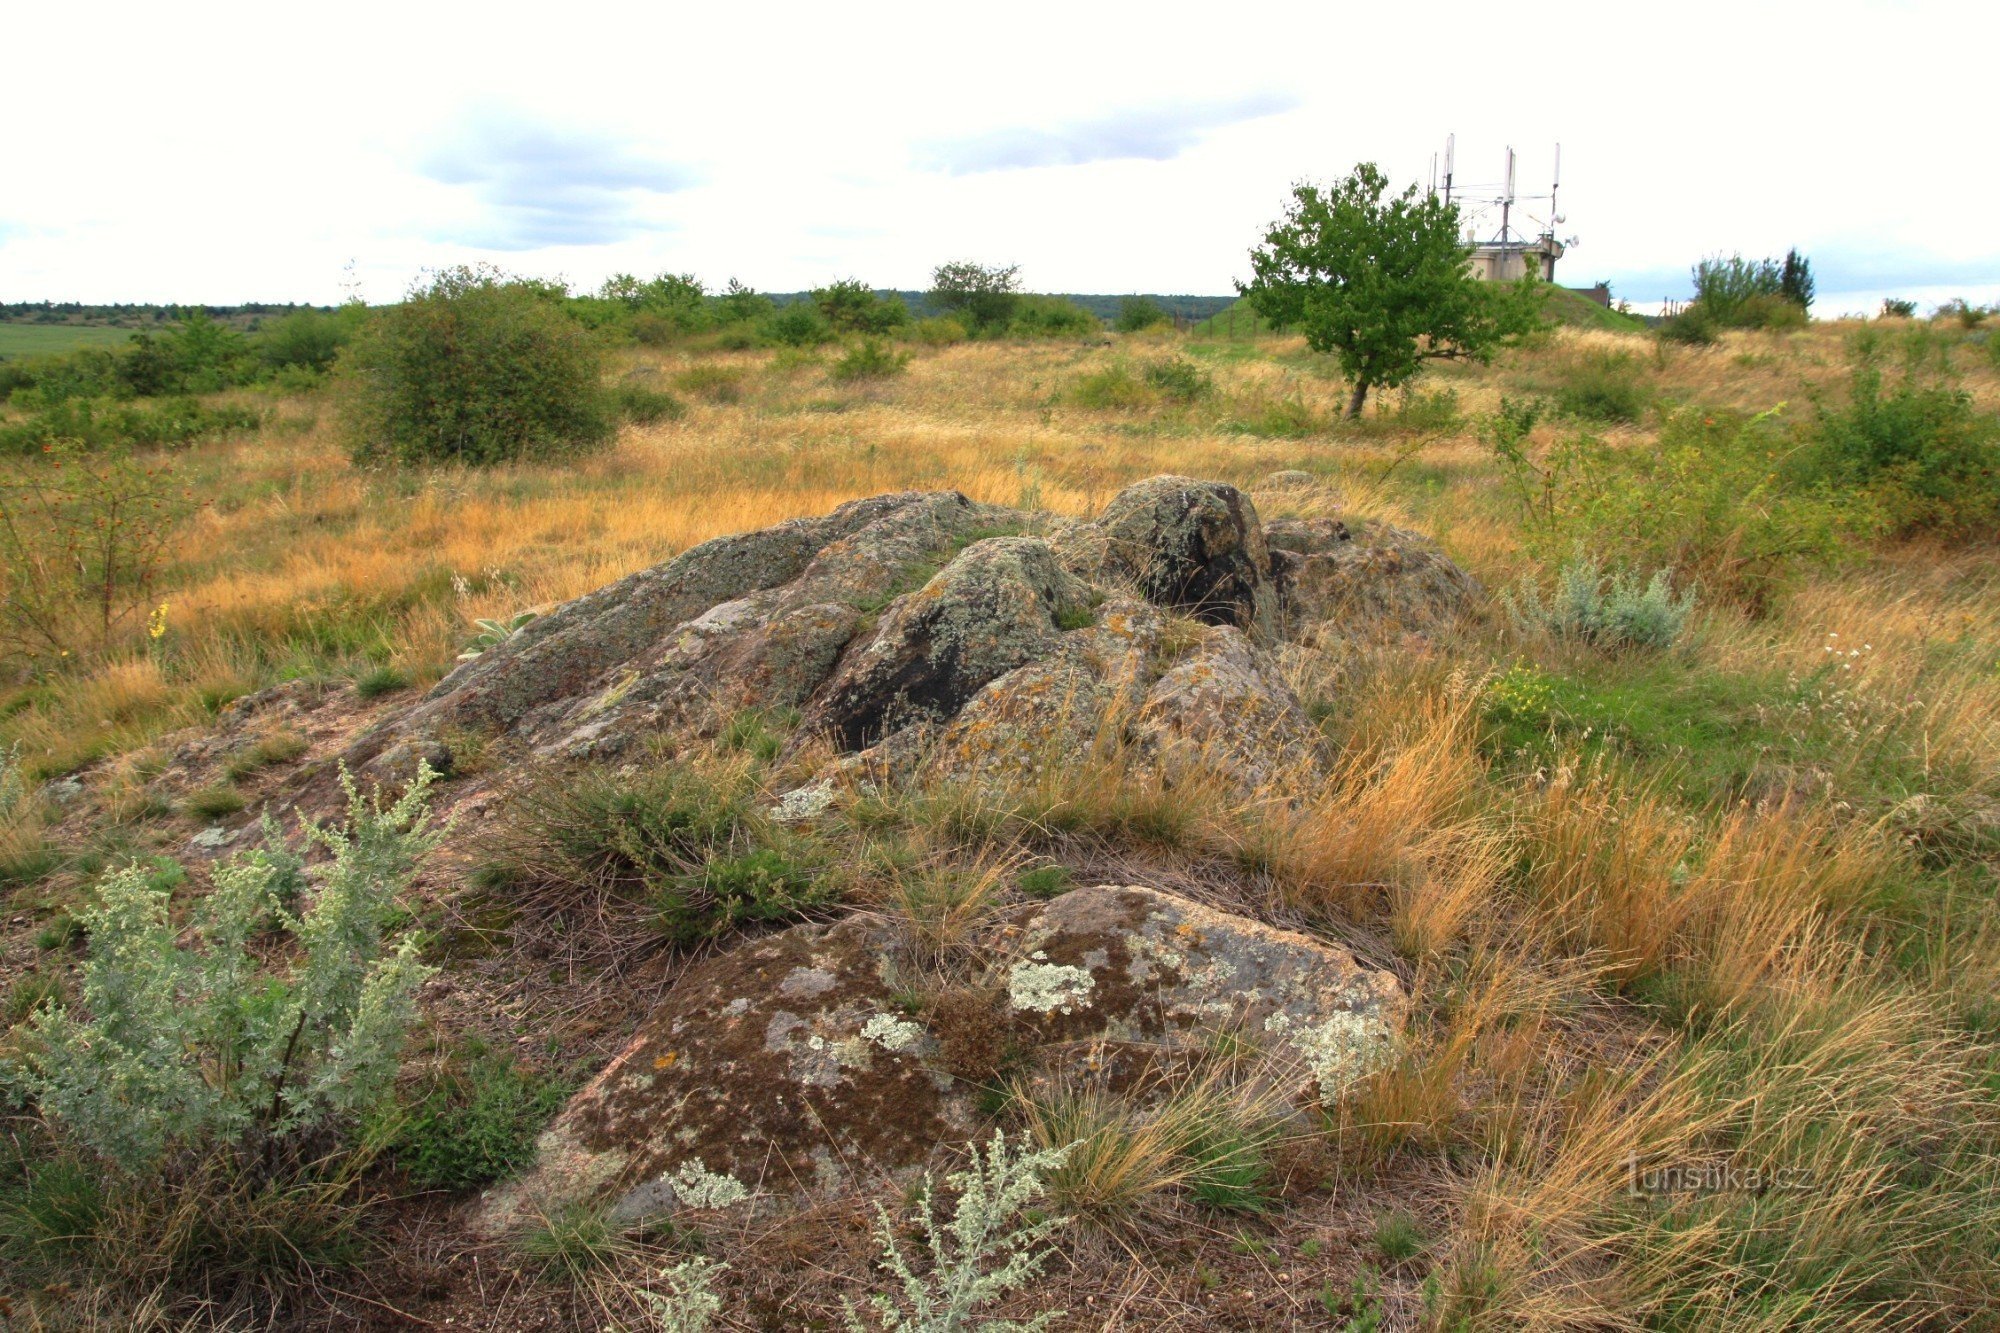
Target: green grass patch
<point x="52" y="339"/>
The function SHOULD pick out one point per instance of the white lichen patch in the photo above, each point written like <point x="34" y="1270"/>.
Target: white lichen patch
<point x="893" y="1034"/>
<point x="803" y="983"/>
<point x="1046" y="988"/>
<point x="1338" y="1049"/>
<point x="695" y="1186"/>
<point x="804" y="803"/>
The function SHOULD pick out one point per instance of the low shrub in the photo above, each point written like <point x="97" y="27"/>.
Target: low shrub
<point x="937" y="331"/>
<point x="1894" y="307"/>
<point x="197" y="1079"/>
<point x="717" y="384"/>
<point x="799" y="324"/>
<point x="477" y="368"/>
<point x="1924" y="448"/>
<point x="1179" y="380"/>
<point x="1611" y="612"/>
<point x="1051" y="317"/>
<point x="992" y="1245"/>
<point x="1721" y="500"/>
<point x="1139" y="313"/>
<point x="643" y="405"/>
<point x="1604" y="386"/>
<point x="868" y="359"/>
<point x="1420" y="411"/>
<point x="100" y="425"/>
<point x="476" y="1124"/>
<point x="851" y="306"/>
<point x="1691" y="326"/>
<point x="683" y="850"/>
<point x="1113" y="387"/>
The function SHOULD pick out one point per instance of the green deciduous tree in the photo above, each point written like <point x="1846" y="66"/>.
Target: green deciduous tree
<point x="984" y="297"/>
<point x="1381" y="281"/>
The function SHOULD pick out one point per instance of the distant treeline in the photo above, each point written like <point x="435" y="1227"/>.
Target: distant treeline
<point x="1105" y="307"/>
<point x="138" y="315"/>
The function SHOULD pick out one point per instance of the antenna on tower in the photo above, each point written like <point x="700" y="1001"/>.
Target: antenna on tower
<point x="1555" y="188"/>
<point x="1450" y="155"/>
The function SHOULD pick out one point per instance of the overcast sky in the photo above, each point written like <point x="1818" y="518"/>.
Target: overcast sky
<point x="223" y="153"/>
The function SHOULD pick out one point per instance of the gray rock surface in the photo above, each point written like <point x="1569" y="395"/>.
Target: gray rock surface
<point x="798" y="1060"/>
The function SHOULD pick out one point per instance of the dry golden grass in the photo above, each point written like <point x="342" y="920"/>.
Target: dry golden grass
<point x="1605" y="971"/>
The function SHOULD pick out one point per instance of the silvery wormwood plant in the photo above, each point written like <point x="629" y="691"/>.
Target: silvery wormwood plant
<point x="987" y="1249"/>
<point x="185" y="1040"/>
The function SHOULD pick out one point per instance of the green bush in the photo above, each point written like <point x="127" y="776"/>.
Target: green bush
<point x="1691" y="326"/>
<point x="1604" y="386"/>
<point x="476" y="1124"/>
<point x="197" y="355"/>
<point x="937" y="331"/>
<point x="309" y="340"/>
<point x="799" y="324"/>
<point x="1925" y="449"/>
<point x="869" y="360"/>
<point x="679" y="847"/>
<point x="1435" y="411"/>
<point x="1179" y="380"/>
<point x="1896" y="308"/>
<point x="1051" y="317"/>
<point x="1721" y="500"/>
<point x="1138" y="313"/>
<point x="983" y="299"/>
<point x="1115" y="386"/>
<point x="1611" y="612"/>
<point x="1968" y="315"/>
<point x="475" y="368"/>
<point x="644" y="405"/>
<point x="718" y="384"/>
<point x="761" y="885"/>
<point x="851" y="306"/>
<point x="98" y="425"/>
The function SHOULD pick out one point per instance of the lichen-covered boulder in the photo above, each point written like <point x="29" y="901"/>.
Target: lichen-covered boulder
<point x="995" y="607"/>
<point x="1192" y="546"/>
<point x="805" y="1058"/>
<point x="1224" y="709"/>
<point x="1358" y="576"/>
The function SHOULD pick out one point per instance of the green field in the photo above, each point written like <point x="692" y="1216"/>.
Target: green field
<point x="41" y="339"/>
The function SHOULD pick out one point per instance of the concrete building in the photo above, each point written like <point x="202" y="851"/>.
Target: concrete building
<point x="1506" y="261"/>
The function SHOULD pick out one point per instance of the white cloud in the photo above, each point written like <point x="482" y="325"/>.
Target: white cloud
<point x="229" y="152"/>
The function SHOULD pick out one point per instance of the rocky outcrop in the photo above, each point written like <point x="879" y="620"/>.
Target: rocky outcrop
<point x="1362" y="576"/>
<point x="926" y="627"/>
<point x="1191" y="546"/>
<point x="993" y="608"/>
<point x="797" y="1060"/>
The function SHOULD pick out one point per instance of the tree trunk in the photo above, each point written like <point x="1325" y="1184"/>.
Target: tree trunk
<point x="1357" y="398"/>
